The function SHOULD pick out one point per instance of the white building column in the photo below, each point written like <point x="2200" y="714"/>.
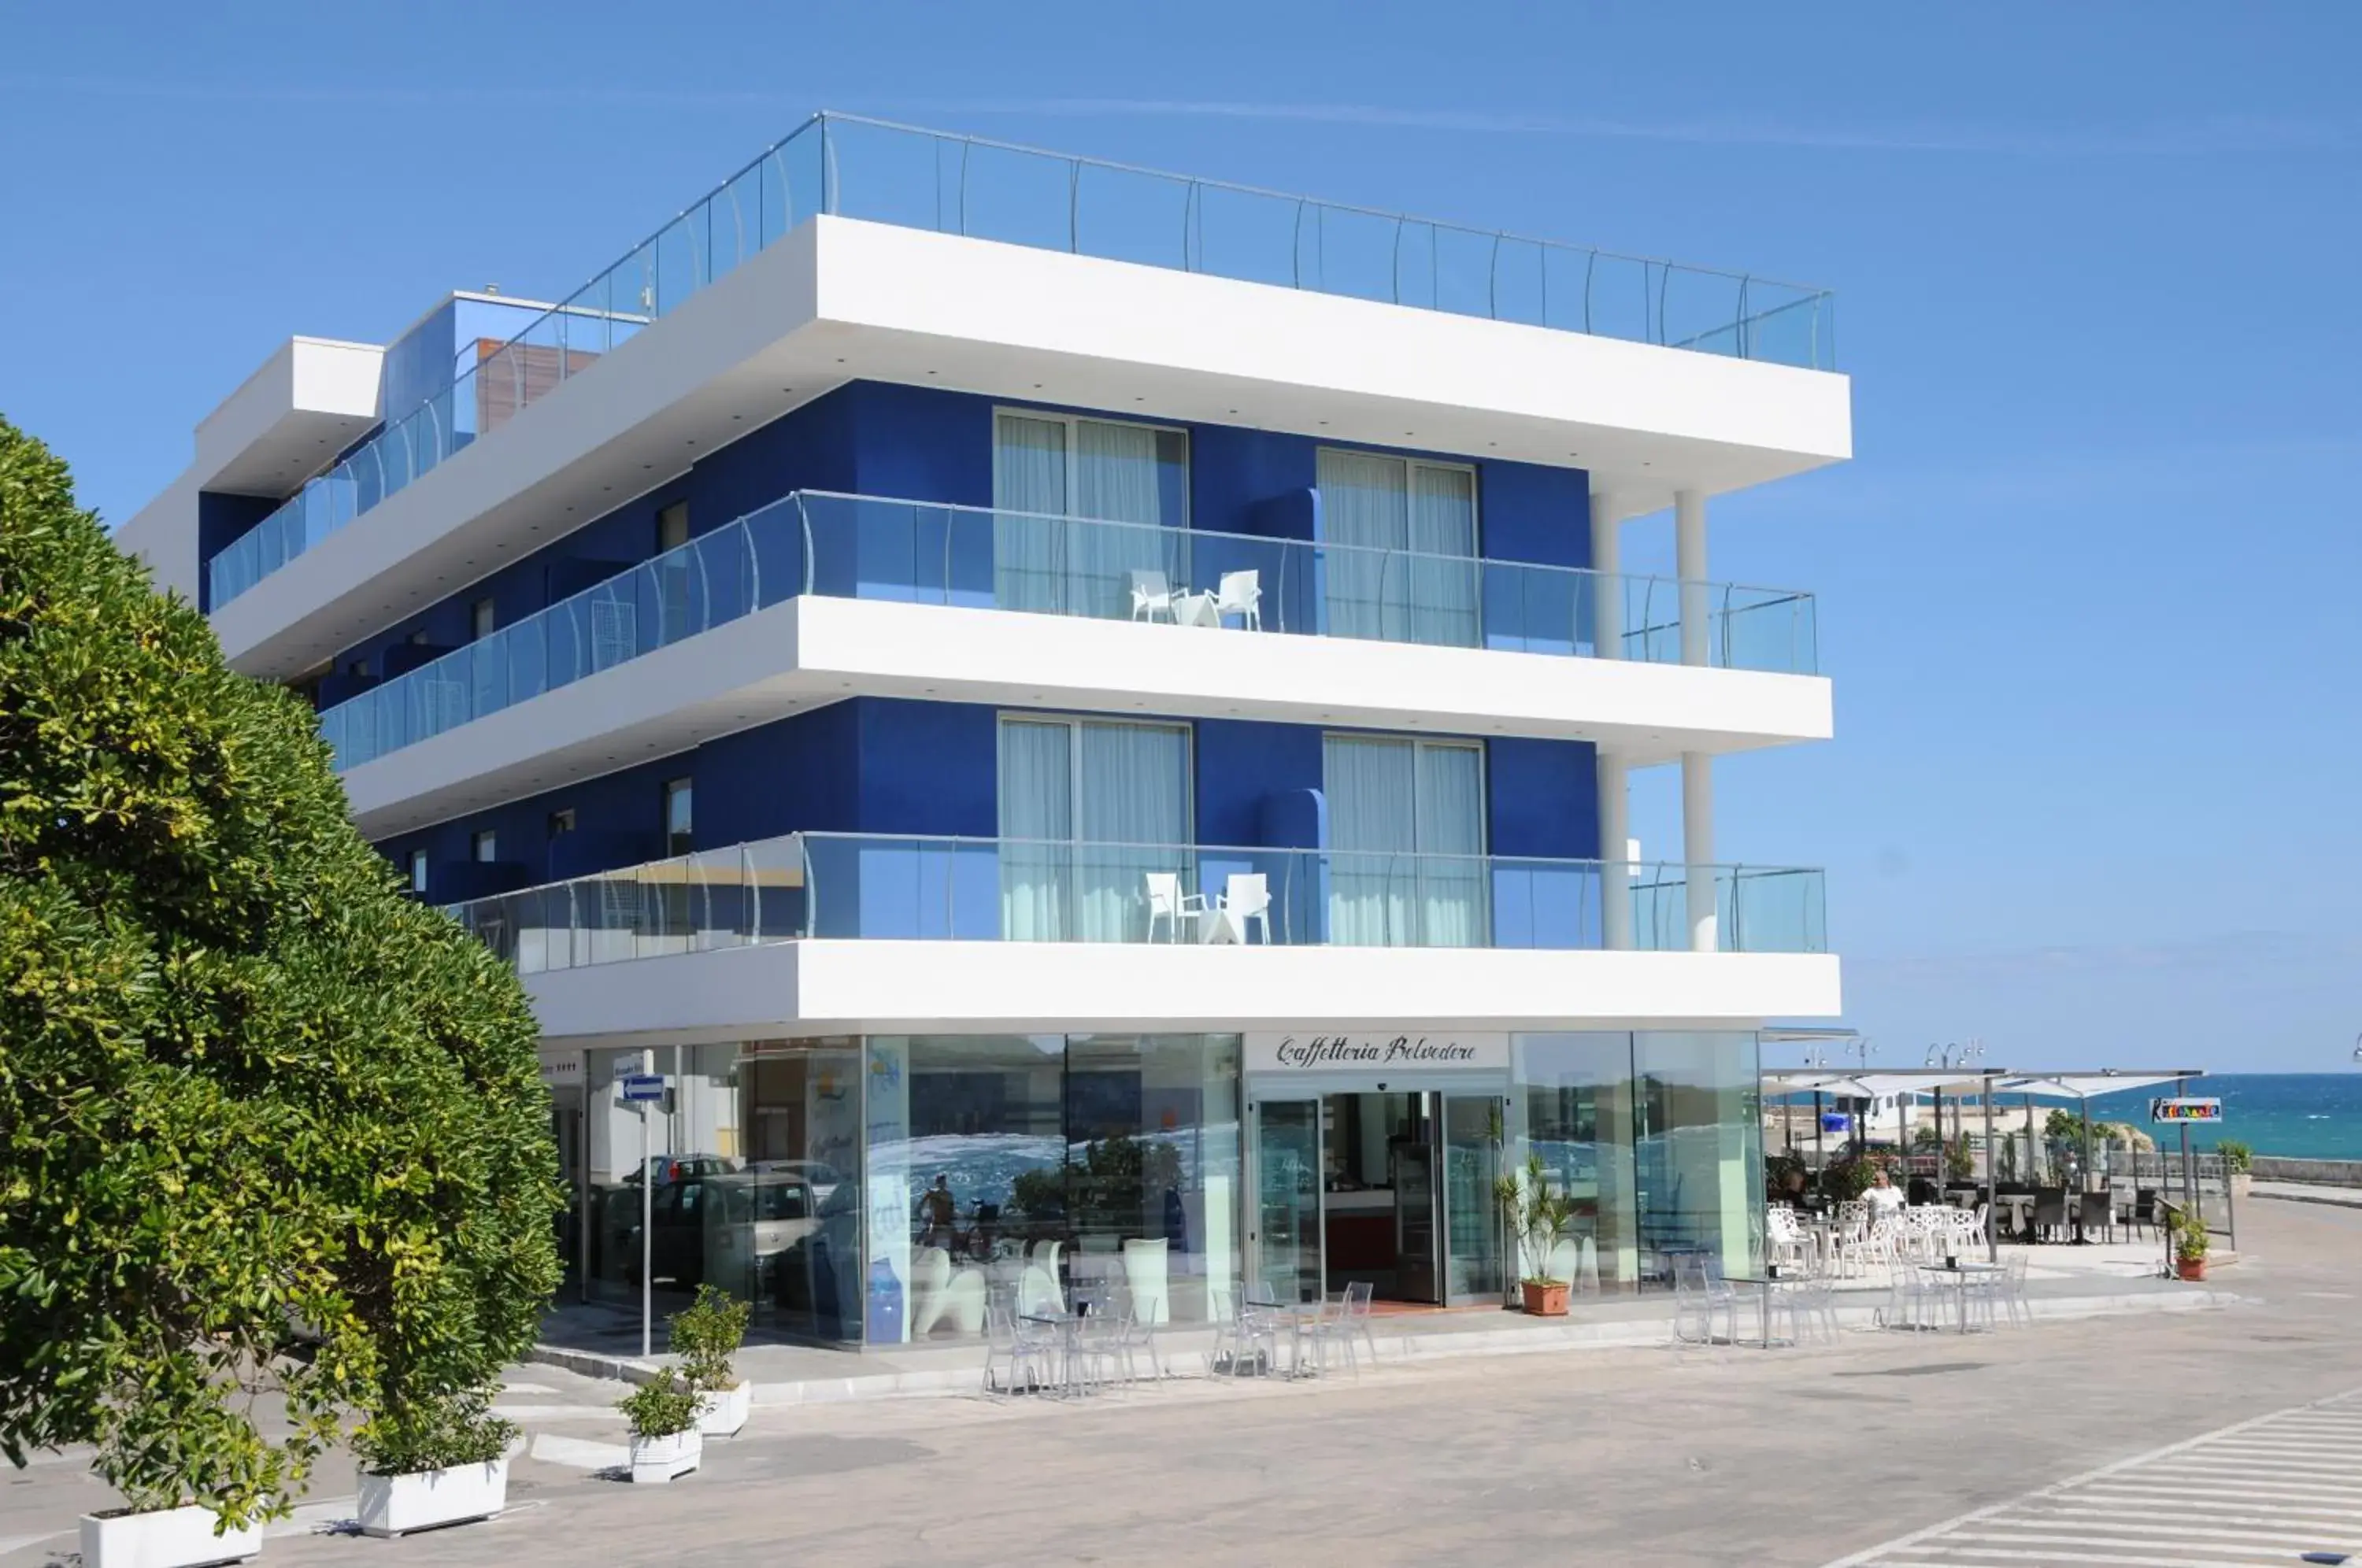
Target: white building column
<point x="1689" y="565"/>
<point x="1606" y="594"/>
<point x="1697" y="768"/>
<point x="1697" y="847"/>
<point x="1614" y="844"/>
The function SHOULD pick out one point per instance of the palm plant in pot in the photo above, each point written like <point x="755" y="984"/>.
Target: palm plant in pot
<point x="666" y="1442"/>
<point x="705" y="1337"/>
<point x="441" y="1459"/>
<point x="1538" y="1218"/>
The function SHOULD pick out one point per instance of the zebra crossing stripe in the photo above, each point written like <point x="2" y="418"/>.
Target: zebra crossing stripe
<point x="2285" y="1484"/>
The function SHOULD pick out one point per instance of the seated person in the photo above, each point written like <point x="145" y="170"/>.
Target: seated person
<point x="1883" y="1196"/>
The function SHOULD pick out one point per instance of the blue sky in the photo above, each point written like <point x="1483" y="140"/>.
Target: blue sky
<point x="2089" y="589"/>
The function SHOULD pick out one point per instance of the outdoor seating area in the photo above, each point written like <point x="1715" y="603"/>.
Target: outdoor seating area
<point x="1929" y="1258"/>
<point x="1241" y="909"/>
<point x="1236" y="594"/>
<point x="1105" y="1338"/>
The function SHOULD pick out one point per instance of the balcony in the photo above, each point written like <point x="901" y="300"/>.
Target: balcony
<point x="843" y="887"/>
<point x="961" y="185"/>
<point x="971" y="558"/>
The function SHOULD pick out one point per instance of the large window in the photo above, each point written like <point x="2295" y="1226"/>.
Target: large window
<point x="1406" y="836"/>
<point x="1047" y="467"/>
<point x="1038" y="1169"/>
<point x="1089" y="809"/>
<point x="1411" y="574"/>
<point x="1656" y="1136"/>
<point x="755" y="1162"/>
<point x="1579" y="1099"/>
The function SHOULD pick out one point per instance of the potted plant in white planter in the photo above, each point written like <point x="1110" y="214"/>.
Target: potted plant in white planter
<point x="441" y="1461"/>
<point x="1540" y="1218"/>
<point x="705" y="1337"/>
<point x="666" y="1442"/>
<point x="189" y="1535"/>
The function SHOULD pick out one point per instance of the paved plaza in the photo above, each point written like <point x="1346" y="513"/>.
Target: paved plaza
<point x="1885" y="1448"/>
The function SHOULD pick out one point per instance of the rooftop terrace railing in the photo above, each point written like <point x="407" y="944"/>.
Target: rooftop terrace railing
<point x="883" y="173"/>
<point x="867" y="548"/>
<point x="856" y="886"/>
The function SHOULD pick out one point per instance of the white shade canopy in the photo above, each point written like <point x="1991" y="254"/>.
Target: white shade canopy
<point x="2083" y="1085"/>
<point x="1875" y="1086"/>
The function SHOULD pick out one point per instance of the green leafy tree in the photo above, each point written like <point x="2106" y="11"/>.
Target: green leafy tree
<point x="267" y="1125"/>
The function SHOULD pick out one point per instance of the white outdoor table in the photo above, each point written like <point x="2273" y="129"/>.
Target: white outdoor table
<point x="1956" y="1276"/>
<point x="1195" y="610"/>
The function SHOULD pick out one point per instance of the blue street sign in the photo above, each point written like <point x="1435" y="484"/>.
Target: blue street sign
<point x="641" y="1088"/>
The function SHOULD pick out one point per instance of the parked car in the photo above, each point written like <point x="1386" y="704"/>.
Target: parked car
<point x="681" y="1167"/>
<point x="818" y="1175"/>
<point x="750" y="1219"/>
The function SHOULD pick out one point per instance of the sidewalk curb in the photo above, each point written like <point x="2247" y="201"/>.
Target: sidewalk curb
<point x="2322" y="1199"/>
<point x="1400" y="1348"/>
<point x="590" y="1363"/>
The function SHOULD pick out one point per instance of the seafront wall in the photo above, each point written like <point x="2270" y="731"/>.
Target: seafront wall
<point x="2329" y="1173"/>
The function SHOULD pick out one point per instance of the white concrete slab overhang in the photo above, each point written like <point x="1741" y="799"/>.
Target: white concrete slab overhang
<point x="840" y="300"/>
<point x="811" y="651"/>
<point x="885" y="987"/>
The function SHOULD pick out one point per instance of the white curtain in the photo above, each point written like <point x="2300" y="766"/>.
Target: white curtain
<point x="1364" y="505"/>
<point x="1029" y="475"/>
<point x="1373" y="836"/>
<point x="1406" y="820"/>
<point x="1134" y="812"/>
<point x="1424" y="588"/>
<point x="1117" y="480"/>
<point x="1451" y="844"/>
<point x="1036" y="803"/>
<point x="1443" y="574"/>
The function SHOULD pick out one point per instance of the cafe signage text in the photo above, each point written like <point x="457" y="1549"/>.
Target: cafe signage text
<point x="2170" y="1110"/>
<point x="1323" y="1051"/>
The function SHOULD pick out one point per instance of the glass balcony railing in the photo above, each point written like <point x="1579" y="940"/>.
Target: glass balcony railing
<point x="865" y="547"/>
<point x="852" y="887"/>
<point x="959" y="184"/>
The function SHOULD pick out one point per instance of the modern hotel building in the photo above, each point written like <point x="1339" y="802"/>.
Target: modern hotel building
<point x="1081" y="716"/>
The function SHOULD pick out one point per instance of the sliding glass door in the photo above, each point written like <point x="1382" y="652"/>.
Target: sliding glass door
<point x="1089" y="811"/>
<point x="1410" y="573"/>
<point x="1407" y="831"/>
<point x="1047" y="468"/>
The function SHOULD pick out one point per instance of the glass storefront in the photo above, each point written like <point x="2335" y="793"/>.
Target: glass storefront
<point x="1037" y="1167"/>
<point x="1656" y="1137"/>
<point x="886" y="1190"/>
<point x="754" y="1155"/>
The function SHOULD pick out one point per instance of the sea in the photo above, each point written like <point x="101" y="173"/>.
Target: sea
<point x="2304" y="1116"/>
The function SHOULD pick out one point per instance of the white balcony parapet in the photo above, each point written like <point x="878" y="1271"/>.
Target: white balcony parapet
<point x="978" y="559"/>
<point x="850" y="167"/>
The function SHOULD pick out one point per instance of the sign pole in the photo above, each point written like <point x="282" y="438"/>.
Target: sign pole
<point x="647" y="1238"/>
<point x="2189" y="1176"/>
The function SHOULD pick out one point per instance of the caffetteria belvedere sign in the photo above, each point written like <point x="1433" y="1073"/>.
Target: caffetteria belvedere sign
<point x="1316" y="1051"/>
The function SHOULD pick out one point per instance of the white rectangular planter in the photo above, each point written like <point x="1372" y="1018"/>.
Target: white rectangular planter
<point x="166" y="1538"/>
<point x="662" y="1459"/>
<point x="397" y="1505"/>
<point x="721" y="1414"/>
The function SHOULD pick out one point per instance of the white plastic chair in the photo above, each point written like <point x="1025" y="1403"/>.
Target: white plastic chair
<point x="1168" y="903"/>
<point x="1240" y="594"/>
<point x="1151" y="595"/>
<point x="1246" y="898"/>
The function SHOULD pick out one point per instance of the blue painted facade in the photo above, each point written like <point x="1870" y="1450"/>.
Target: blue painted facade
<point x="920" y="444"/>
<point x="891" y="766"/>
<point x="883" y="766"/>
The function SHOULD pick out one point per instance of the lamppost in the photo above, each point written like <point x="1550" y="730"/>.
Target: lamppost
<point x="1861" y="1048"/>
<point x="1947" y="1057"/>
